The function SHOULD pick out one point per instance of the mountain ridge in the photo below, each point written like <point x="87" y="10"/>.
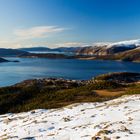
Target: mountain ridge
<point x="47" y="49"/>
<point x="11" y="52"/>
<point x="107" y="48"/>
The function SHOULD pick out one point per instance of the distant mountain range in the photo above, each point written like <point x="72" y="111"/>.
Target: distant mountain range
<point x="46" y="49"/>
<point x="95" y="49"/>
<point x="125" y="50"/>
<point x="11" y="52"/>
<point x="109" y="48"/>
<point x="41" y="49"/>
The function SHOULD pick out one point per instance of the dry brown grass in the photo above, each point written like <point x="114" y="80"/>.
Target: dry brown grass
<point x="109" y="93"/>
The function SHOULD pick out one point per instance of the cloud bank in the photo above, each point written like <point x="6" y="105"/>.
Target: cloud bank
<point x="71" y="44"/>
<point x="37" y="32"/>
<point x="36" y="35"/>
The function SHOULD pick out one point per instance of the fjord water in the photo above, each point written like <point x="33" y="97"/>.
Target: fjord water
<point x="30" y="68"/>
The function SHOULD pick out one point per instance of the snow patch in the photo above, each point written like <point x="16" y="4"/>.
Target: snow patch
<point x="128" y="43"/>
<point x="115" y="119"/>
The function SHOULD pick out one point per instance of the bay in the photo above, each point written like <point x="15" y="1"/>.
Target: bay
<point x="30" y="68"/>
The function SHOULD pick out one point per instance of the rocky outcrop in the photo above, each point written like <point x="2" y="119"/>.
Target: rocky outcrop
<point x="51" y="82"/>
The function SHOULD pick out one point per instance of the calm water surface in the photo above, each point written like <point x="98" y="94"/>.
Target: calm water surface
<point x="29" y="68"/>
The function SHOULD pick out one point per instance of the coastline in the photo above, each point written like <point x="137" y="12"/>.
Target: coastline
<point x="80" y="57"/>
<point x="55" y="93"/>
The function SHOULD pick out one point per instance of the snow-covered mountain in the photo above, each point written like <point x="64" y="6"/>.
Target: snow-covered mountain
<point x="127" y="43"/>
<point x="109" y="48"/>
<point x="111" y="120"/>
<point x="103" y="48"/>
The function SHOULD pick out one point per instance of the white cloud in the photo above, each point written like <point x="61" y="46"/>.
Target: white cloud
<point x="71" y="44"/>
<point x="9" y="44"/>
<point x="37" y="32"/>
<point x="23" y="37"/>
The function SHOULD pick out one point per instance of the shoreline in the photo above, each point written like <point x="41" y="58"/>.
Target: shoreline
<point x="80" y="57"/>
<point x="55" y="93"/>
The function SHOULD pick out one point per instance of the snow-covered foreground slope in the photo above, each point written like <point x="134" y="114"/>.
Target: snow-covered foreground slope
<point x="116" y="119"/>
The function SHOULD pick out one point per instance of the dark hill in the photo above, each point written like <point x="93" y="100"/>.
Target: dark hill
<point x="3" y="60"/>
<point x="43" y="49"/>
<point x="131" y="55"/>
<point x="36" y="49"/>
<point x="11" y="52"/>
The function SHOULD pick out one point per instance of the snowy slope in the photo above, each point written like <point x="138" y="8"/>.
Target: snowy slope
<point x="109" y="48"/>
<point x="116" y="119"/>
<point x="128" y="43"/>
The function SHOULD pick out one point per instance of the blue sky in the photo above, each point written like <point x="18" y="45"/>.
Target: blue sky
<point x="54" y="23"/>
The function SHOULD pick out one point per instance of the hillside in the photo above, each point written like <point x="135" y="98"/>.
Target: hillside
<point x="55" y="93"/>
<point x="111" y="120"/>
<point x="109" y="48"/>
<point x="62" y="109"/>
<point x="131" y="55"/>
<point x="125" y="51"/>
<point x="11" y="52"/>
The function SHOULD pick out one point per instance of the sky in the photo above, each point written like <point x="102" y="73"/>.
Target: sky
<point x="58" y="23"/>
